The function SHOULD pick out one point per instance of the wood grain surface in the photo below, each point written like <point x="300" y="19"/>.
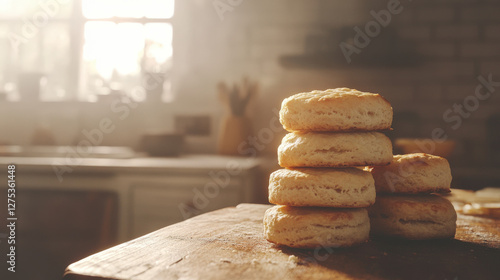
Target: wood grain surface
<point x="228" y="244"/>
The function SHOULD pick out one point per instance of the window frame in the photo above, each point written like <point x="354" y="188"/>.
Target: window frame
<point x="81" y="21"/>
<point x="76" y="28"/>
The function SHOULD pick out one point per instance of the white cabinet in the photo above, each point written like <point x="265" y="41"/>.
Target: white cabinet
<point x="151" y="193"/>
<point x="159" y="200"/>
<point x="158" y="203"/>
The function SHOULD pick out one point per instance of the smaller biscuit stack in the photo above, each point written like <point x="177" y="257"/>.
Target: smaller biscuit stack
<point x="321" y="196"/>
<point x="406" y="206"/>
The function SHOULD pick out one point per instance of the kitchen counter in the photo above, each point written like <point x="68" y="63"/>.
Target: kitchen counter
<point x="152" y="192"/>
<point x="135" y="164"/>
<point x="228" y="244"/>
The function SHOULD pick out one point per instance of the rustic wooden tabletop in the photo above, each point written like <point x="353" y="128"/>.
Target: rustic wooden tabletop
<point x="228" y="244"/>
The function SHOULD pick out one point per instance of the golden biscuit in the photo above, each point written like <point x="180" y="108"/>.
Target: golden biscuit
<point x="334" y="149"/>
<point x="340" y="109"/>
<point x="413" y="173"/>
<point x="307" y="227"/>
<point x="413" y="216"/>
<point x="323" y="187"/>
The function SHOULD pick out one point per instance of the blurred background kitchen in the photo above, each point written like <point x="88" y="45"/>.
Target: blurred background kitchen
<point x="126" y="116"/>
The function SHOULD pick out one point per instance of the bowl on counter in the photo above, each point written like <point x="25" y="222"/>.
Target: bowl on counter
<point x="424" y="145"/>
<point x="160" y="144"/>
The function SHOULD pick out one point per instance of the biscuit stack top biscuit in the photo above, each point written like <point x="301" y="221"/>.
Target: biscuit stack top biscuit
<point x="331" y="133"/>
<point x="407" y="206"/>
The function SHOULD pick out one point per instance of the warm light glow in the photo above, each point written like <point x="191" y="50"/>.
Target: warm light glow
<point x="113" y="47"/>
<point x="159" y="38"/>
<point x="109" y="46"/>
<point x="126" y="47"/>
<point x="93" y="9"/>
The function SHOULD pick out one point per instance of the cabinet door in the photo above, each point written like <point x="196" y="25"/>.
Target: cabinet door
<point x="58" y="227"/>
<point x="156" y="205"/>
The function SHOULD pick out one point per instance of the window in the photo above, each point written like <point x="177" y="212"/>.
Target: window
<point x="85" y="50"/>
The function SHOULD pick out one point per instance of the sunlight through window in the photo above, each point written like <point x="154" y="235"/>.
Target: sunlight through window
<point x="93" y="9"/>
<point x="108" y="47"/>
<point x="113" y="47"/>
<point x="124" y="41"/>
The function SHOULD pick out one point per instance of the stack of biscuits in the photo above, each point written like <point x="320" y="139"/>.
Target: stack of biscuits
<point x="407" y="205"/>
<point x="322" y="194"/>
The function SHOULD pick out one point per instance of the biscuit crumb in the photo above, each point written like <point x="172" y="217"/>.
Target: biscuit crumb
<point x="293" y="260"/>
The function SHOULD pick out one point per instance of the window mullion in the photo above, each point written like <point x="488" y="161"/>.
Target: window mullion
<point x="76" y="50"/>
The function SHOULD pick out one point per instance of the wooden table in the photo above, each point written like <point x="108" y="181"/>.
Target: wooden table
<point x="228" y="244"/>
